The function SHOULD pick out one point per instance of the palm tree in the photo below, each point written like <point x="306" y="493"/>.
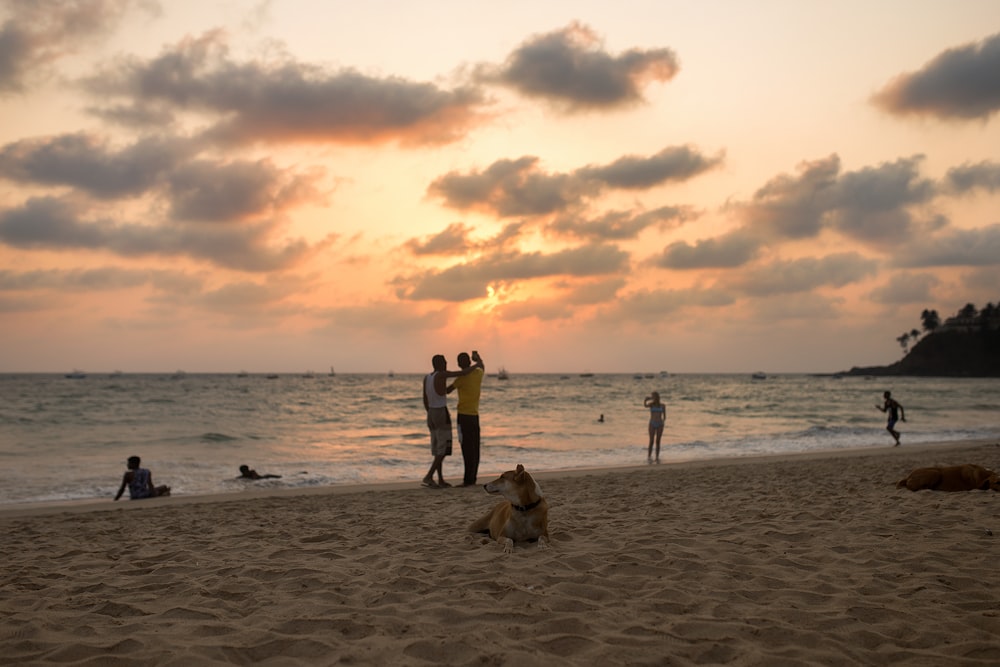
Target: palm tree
<point x="904" y="342"/>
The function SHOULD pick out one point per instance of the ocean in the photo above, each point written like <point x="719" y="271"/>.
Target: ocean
<point x="66" y="439"/>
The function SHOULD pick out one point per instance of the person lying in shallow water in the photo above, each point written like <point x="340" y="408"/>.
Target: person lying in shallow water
<point x="247" y="473"/>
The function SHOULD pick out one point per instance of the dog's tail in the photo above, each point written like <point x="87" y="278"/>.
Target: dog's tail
<point x="901" y="484"/>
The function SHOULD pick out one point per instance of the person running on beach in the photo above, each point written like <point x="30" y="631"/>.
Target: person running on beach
<point x="140" y="482"/>
<point x="657" y="417"/>
<point x="469" y="387"/>
<point x="435" y="392"/>
<point x="247" y="473"/>
<point x="895" y="412"/>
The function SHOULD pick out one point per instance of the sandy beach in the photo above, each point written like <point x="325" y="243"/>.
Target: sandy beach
<point x="810" y="559"/>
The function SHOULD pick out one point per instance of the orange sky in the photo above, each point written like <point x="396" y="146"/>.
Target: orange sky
<point x="565" y="186"/>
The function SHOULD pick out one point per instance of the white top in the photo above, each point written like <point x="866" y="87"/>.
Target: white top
<point x="434" y="399"/>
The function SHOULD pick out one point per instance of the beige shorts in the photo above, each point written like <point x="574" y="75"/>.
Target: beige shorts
<point x="439" y="423"/>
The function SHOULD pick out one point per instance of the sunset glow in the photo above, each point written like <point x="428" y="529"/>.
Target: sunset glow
<point x="632" y="186"/>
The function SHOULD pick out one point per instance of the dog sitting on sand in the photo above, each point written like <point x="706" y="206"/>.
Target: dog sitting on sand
<point x="522" y="517"/>
<point x="968" y="477"/>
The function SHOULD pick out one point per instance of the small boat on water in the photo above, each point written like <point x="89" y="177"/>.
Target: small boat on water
<point x="333" y="373"/>
<point x="308" y="374"/>
<point x="758" y="376"/>
<point x="242" y="374"/>
<point x="76" y="374"/>
<point x="586" y="375"/>
<point x="502" y="374"/>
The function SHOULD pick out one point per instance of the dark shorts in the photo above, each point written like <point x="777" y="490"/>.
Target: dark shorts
<point x="892" y="423"/>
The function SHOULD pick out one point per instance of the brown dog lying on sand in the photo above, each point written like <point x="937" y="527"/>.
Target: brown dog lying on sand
<point x="522" y="517"/>
<point x="966" y="477"/>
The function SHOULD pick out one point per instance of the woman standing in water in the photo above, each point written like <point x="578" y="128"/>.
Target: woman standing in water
<point x="657" y="417"/>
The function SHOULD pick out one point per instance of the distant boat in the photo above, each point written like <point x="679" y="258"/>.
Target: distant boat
<point x="76" y="374"/>
<point x="333" y="373"/>
<point x="392" y="374"/>
<point x="242" y="374"/>
<point x="502" y="374"/>
<point x="179" y="374"/>
<point x="758" y="376"/>
<point x="308" y="374"/>
<point x="272" y="376"/>
<point x="586" y="375"/>
<point x="664" y="374"/>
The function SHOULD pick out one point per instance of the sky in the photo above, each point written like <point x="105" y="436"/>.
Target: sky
<point x="567" y="186"/>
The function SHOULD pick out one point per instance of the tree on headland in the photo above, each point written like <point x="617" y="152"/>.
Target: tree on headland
<point x="930" y="319"/>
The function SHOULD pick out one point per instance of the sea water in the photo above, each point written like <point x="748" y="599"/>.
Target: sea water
<point x="64" y="439"/>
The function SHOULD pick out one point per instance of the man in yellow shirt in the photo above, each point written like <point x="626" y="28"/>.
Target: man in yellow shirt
<point x="469" y="387"/>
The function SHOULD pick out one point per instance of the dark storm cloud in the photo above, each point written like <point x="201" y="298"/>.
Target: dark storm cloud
<point x="50" y="224"/>
<point x="521" y="187"/>
<point x="803" y="275"/>
<point x="984" y="175"/>
<point x="960" y="83"/>
<point x="85" y="161"/>
<point x="871" y="205"/>
<point x="676" y="163"/>
<point x="569" y="68"/>
<point x="256" y="101"/>
<point x="953" y="247"/>
<point x="727" y="251"/>
<point x="35" y="34"/>
<point x="619" y="225"/>
<point x="469" y="281"/>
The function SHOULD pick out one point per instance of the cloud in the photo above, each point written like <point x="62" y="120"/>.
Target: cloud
<point x="904" y="288"/>
<point x="452" y="241"/>
<point x="803" y="275"/>
<point x="521" y="188"/>
<point x="727" y="251"/>
<point x="619" y="225"/>
<point x="675" y="163"/>
<point x="283" y="100"/>
<point x="85" y="161"/>
<point x="870" y="205"/>
<point x="569" y="69"/>
<point x="985" y="176"/>
<point x="36" y="34"/>
<point x="953" y="247"/>
<point x="48" y="223"/>
<point x="238" y="190"/>
<point x="511" y="188"/>
<point x="960" y="83"/>
<point x="463" y="282"/>
<point x="790" y="207"/>
<point x="653" y="306"/>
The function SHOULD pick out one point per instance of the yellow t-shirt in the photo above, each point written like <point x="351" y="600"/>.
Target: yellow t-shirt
<point x="468" y="387"/>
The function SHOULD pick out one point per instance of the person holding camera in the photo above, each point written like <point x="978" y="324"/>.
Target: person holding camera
<point x="469" y="387"/>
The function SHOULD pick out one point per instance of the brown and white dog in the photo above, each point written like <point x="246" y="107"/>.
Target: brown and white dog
<point x="522" y="517"/>
<point x="966" y="477"/>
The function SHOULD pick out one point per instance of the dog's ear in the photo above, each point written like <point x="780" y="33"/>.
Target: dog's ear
<point x="519" y="471"/>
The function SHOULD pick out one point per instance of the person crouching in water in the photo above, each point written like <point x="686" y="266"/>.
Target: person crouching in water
<point x="140" y="482"/>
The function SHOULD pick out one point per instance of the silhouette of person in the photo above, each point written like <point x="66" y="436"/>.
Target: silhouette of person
<point x="139" y="482"/>
<point x="895" y="412"/>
